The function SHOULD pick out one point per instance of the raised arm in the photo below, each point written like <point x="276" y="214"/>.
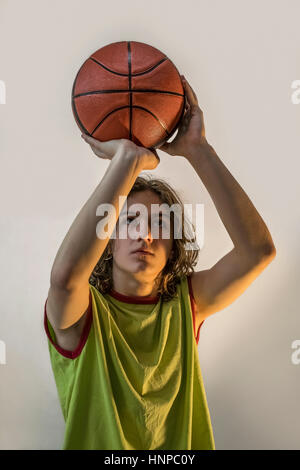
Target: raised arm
<point x="81" y="248"/>
<point x="216" y="288"/>
<point x="219" y="286"/>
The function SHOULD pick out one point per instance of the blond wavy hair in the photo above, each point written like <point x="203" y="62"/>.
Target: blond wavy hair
<point x="182" y="262"/>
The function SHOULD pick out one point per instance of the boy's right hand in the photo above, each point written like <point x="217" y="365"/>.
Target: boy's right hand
<point x="147" y="159"/>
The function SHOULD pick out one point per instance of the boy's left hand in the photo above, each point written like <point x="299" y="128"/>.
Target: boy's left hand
<point x="191" y="132"/>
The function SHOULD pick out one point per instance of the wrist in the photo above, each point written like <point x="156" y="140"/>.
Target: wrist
<point x="200" y="151"/>
<point x="126" y="160"/>
<point x="125" y="154"/>
<point x="138" y="159"/>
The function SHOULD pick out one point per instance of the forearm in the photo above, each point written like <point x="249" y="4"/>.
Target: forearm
<point x="81" y="248"/>
<point x="243" y="223"/>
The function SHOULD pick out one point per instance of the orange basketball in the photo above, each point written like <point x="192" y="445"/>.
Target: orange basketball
<point x="128" y="90"/>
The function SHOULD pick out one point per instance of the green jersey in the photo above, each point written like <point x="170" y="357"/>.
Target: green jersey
<point x="134" y="381"/>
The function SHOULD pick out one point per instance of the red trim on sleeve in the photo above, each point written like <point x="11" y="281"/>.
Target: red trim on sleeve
<point x="84" y="336"/>
<point x="193" y="305"/>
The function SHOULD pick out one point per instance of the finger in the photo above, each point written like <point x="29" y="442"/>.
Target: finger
<point x="87" y="137"/>
<point x="187" y="106"/>
<point x="108" y="147"/>
<point x="167" y="147"/>
<point x="163" y="147"/>
<point x="191" y="95"/>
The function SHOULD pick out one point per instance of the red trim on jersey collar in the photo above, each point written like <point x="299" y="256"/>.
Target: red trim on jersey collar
<point x="134" y="299"/>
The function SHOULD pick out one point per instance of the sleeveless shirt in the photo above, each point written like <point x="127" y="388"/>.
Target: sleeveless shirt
<point x="134" y="381"/>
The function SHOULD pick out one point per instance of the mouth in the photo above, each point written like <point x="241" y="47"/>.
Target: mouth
<point x="142" y="252"/>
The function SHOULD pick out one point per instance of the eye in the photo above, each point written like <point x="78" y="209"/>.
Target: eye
<point x="160" y="222"/>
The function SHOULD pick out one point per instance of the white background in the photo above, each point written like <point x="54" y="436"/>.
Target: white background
<point x="241" y="58"/>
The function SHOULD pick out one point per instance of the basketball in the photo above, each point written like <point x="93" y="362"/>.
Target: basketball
<point x="128" y="90"/>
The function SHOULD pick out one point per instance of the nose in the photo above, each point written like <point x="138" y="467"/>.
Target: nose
<point x="146" y="235"/>
<point x="145" y="232"/>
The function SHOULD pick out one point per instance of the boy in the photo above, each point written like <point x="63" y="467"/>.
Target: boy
<point x="122" y="313"/>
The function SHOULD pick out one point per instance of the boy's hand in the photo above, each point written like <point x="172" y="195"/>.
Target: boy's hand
<point x="147" y="159"/>
<point x="191" y="132"/>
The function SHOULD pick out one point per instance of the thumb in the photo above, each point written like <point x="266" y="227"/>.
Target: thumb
<point x="167" y="147"/>
<point x="164" y="147"/>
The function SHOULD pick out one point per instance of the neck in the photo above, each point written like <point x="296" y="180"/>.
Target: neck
<point x="130" y="286"/>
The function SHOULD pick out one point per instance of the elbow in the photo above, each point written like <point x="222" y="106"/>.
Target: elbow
<point x="269" y="250"/>
<point x="266" y="254"/>
<point x="262" y="255"/>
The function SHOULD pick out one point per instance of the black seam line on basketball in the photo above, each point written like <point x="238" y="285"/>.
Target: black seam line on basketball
<point x="127" y="91"/>
<point x="129" y="85"/>
<point x="83" y="129"/>
<point x="78" y="119"/>
<point x="124" y="107"/>
<point x="125" y="74"/>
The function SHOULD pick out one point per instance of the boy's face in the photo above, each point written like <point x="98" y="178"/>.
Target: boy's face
<point x="136" y="225"/>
